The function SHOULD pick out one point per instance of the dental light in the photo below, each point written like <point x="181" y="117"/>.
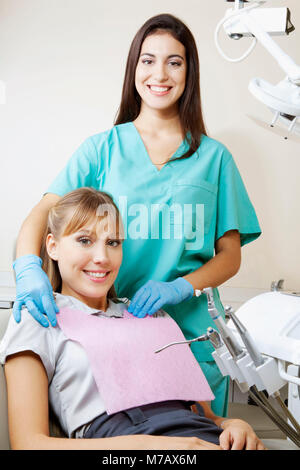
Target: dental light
<point x="282" y="99"/>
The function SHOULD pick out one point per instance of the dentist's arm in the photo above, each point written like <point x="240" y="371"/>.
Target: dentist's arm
<point x="32" y="284"/>
<point x="225" y="264"/>
<point x="32" y="230"/>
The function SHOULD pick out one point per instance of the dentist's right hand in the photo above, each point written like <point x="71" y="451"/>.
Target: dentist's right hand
<point x="33" y="289"/>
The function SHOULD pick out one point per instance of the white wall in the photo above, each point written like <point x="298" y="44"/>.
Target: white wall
<point x="63" y="64"/>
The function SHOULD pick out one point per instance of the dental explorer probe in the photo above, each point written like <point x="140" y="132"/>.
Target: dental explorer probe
<point x="188" y="341"/>
<point x="212" y="335"/>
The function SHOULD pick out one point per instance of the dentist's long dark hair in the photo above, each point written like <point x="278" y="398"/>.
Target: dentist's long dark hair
<point x="190" y="111"/>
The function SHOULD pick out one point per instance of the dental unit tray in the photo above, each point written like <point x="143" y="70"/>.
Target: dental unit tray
<point x="253" y="347"/>
<point x="273" y="321"/>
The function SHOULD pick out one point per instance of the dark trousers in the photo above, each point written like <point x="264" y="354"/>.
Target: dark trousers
<point x="169" y="418"/>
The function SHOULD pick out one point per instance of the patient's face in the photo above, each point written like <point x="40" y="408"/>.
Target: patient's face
<point x="89" y="261"/>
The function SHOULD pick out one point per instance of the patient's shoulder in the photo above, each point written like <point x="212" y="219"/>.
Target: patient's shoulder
<point x="28" y="335"/>
<point x="27" y="324"/>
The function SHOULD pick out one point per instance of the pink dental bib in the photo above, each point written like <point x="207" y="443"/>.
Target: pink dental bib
<point x="126" y="370"/>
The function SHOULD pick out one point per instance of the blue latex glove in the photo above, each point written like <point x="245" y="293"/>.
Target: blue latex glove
<point x="154" y="294"/>
<point x="33" y="290"/>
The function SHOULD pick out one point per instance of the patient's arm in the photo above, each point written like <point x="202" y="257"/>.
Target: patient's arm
<point x="27" y="388"/>
<point x="237" y="434"/>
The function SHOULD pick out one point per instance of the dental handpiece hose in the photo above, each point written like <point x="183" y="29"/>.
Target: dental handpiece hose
<point x="228" y="338"/>
<point x="286" y="411"/>
<point x="259" y="397"/>
<point x="262" y="401"/>
<point x="258" y="360"/>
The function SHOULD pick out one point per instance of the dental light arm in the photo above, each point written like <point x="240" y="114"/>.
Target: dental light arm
<point x="284" y="98"/>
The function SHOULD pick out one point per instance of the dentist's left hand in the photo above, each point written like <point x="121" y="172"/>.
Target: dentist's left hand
<point x="34" y="291"/>
<point x="154" y="294"/>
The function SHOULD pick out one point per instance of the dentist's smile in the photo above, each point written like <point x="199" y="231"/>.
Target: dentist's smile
<point x="159" y="90"/>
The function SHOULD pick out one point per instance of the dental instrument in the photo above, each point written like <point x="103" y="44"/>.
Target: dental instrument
<point x="215" y="339"/>
<point x="259" y="372"/>
<point x="221" y="349"/>
<point x="211" y="335"/>
<point x="256" y="355"/>
<point x="229" y="339"/>
<point x="231" y="349"/>
<point x="246" y="338"/>
<point x="282" y="99"/>
<point x="188" y="341"/>
<point x="258" y="361"/>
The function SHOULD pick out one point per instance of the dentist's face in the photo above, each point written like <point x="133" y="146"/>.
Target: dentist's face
<point x="88" y="261"/>
<point x="161" y="72"/>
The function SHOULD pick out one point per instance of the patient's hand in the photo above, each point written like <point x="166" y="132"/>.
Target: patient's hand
<point x="239" y="435"/>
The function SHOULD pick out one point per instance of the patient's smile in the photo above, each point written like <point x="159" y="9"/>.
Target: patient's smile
<point x="97" y="276"/>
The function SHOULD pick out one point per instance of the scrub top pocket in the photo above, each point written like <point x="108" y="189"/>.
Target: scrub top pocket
<point x="200" y="198"/>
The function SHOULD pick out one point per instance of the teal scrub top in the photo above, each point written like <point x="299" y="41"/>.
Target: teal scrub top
<point x="116" y="161"/>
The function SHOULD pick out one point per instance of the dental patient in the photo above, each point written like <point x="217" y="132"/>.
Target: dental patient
<point x="97" y="367"/>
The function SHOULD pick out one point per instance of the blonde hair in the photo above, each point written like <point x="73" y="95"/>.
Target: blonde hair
<point x="80" y="206"/>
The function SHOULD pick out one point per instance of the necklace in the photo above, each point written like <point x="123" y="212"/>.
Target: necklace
<point x="169" y="155"/>
<point x="150" y="139"/>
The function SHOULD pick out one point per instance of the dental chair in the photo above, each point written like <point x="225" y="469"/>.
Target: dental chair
<point x="251" y="414"/>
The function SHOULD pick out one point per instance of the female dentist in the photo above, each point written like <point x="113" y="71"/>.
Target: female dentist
<point x="184" y="205"/>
